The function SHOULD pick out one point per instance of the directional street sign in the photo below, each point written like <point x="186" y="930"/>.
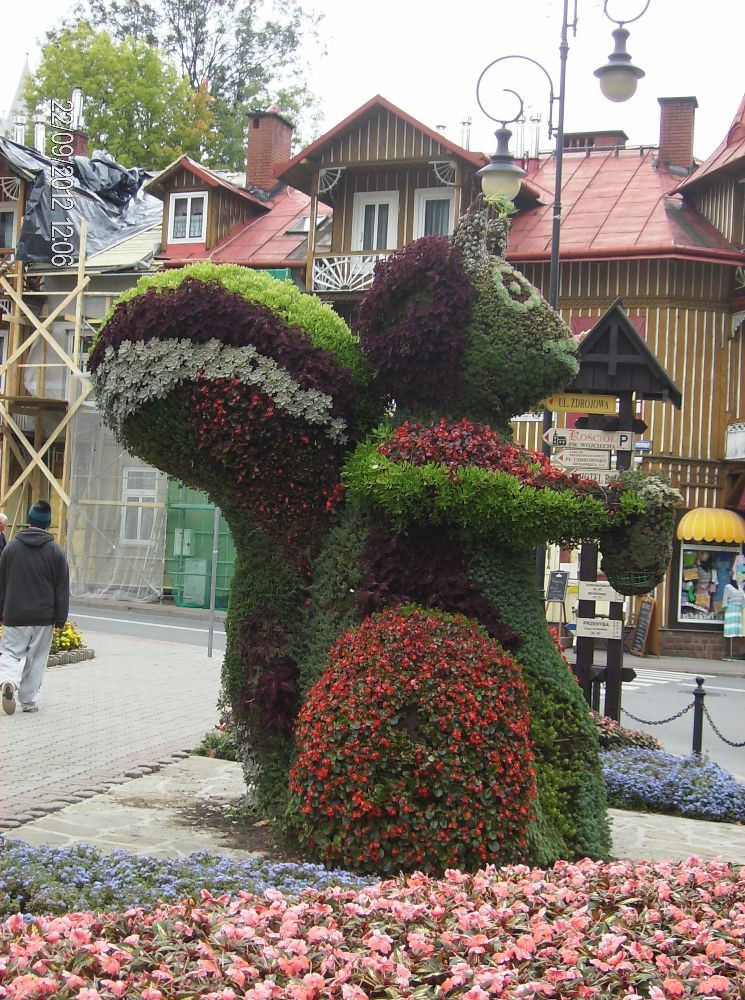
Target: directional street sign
<point x="571" y="402"/>
<point x="574" y="458"/>
<point x="599" y="628"/>
<point x="574" y="437"/>
<point x="601" y="476"/>
<point x="600" y="590"/>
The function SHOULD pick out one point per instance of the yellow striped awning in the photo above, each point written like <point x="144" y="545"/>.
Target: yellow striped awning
<point x="711" y="524"/>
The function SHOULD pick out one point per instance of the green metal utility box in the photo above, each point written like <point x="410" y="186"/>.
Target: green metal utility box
<point x="189" y="535"/>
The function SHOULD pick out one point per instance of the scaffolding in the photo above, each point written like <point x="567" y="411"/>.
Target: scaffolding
<point x="36" y="424"/>
<point x="109" y="508"/>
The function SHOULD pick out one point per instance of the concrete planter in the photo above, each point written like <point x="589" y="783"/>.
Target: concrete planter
<point x="74" y="656"/>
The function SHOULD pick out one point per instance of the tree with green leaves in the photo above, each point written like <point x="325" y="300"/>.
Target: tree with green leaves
<point x="243" y="60"/>
<point x="138" y="108"/>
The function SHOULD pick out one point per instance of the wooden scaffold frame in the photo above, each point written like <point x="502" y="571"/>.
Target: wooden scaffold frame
<point x="13" y="401"/>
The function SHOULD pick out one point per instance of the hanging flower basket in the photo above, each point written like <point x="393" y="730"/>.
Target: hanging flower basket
<point x="634" y="584"/>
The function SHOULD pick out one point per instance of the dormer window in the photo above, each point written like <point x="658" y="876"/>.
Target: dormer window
<point x="188" y="218"/>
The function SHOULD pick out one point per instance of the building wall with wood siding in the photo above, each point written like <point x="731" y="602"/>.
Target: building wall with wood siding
<point x="382" y="136"/>
<point x="404" y="179"/>
<point x="224" y="209"/>
<point x="723" y="204"/>
<point x="687" y="325"/>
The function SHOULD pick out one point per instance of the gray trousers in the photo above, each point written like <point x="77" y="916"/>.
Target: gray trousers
<point x="24" y="652"/>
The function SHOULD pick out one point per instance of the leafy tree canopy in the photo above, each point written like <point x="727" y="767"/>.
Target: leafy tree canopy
<point x="137" y="107"/>
<point x="232" y="56"/>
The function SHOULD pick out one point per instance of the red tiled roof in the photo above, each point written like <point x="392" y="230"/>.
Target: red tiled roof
<point x="729" y="153"/>
<point x="614" y="204"/>
<point x="260" y="242"/>
<point x="263" y="242"/>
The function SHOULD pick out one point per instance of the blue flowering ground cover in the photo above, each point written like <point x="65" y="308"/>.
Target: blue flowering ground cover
<point x="36" y="880"/>
<point x="653" y="781"/>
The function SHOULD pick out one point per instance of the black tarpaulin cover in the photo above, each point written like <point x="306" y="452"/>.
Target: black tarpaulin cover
<point x="104" y="193"/>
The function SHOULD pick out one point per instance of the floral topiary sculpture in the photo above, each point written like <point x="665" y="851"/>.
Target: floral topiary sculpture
<point x="385" y="581"/>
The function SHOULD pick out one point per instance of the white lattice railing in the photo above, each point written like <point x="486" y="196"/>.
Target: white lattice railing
<point x="4" y="306"/>
<point x="344" y="272"/>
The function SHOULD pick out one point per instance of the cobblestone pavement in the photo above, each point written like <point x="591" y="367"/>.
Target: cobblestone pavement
<point x="136" y="703"/>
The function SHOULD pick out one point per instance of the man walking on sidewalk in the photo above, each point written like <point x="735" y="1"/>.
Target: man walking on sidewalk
<point x="34" y="597"/>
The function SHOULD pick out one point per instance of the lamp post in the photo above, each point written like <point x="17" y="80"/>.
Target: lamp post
<point x="618" y="81"/>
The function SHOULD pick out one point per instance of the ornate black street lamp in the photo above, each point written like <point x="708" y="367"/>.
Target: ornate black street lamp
<point x="618" y="82"/>
<point x="502" y="176"/>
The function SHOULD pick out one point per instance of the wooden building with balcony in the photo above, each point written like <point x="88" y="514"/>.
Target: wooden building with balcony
<point x="389" y="180"/>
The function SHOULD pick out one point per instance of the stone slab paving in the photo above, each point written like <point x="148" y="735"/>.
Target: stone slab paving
<point x="150" y="815"/>
<point x="642" y="836"/>
<point x="137" y="702"/>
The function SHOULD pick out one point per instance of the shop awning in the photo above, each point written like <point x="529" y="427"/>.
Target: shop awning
<point x="711" y="524"/>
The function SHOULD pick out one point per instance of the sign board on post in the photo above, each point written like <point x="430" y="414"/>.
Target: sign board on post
<point x="574" y="458"/>
<point x="573" y="402"/>
<point x="599" y="628"/>
<point x="600" y="476"/>
<point x="598" y="590"/>
<point x="576" y="437"/>
<point x="557" y="586"/>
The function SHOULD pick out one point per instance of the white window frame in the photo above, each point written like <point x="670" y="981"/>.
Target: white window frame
<point x="361" y="200"/>
<point x="11" y="206"/>
<point x="141" y="495"/>
<point x="422" y="196"/>
<point x="188" y="195"/>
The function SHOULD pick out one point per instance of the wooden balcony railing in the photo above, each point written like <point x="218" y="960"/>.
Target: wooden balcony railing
<point x="351" y="272"/>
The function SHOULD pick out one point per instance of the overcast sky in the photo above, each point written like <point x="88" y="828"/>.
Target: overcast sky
<point x="427" y="58"/>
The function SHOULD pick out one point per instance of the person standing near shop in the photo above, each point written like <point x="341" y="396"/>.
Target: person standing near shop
<point x="34" y="597"/>
<point x="3" y="526"/>
<point x="733" y="604"/>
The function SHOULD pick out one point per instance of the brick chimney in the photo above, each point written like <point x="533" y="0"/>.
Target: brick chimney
<point x="79" y="143"/>
<point x="676" y="131"/>
<point x="269" y="143"/>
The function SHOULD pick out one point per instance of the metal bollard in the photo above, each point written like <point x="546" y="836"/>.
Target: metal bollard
<point x="698" y="716"/>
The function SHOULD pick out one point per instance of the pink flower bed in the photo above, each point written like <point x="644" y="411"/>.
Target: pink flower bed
<point x="629" y="931"/>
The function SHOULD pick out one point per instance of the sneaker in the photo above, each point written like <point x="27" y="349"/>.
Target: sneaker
<point x="9" y="698"/>
<point x="32" y="707"/>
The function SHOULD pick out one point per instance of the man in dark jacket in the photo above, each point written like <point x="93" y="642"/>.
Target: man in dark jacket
<point x="34" y="597"/>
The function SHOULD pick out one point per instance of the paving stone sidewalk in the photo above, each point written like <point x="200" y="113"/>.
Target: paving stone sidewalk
<point x="153" y="815"/>
<point x="138" y="702"/>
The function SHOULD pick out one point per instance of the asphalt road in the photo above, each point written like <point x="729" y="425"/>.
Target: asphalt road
<point x="657" y="694"/>
<point x="151" y="624"/>
<point x="653" y="695"/>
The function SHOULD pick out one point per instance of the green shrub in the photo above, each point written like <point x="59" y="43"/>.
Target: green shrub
<point x="613" y="736"/>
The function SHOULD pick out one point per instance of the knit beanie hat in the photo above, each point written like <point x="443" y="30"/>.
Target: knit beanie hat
<point x="40" y="515"/>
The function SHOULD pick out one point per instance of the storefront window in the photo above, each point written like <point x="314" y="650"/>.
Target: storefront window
<point x="705" y="570"/>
